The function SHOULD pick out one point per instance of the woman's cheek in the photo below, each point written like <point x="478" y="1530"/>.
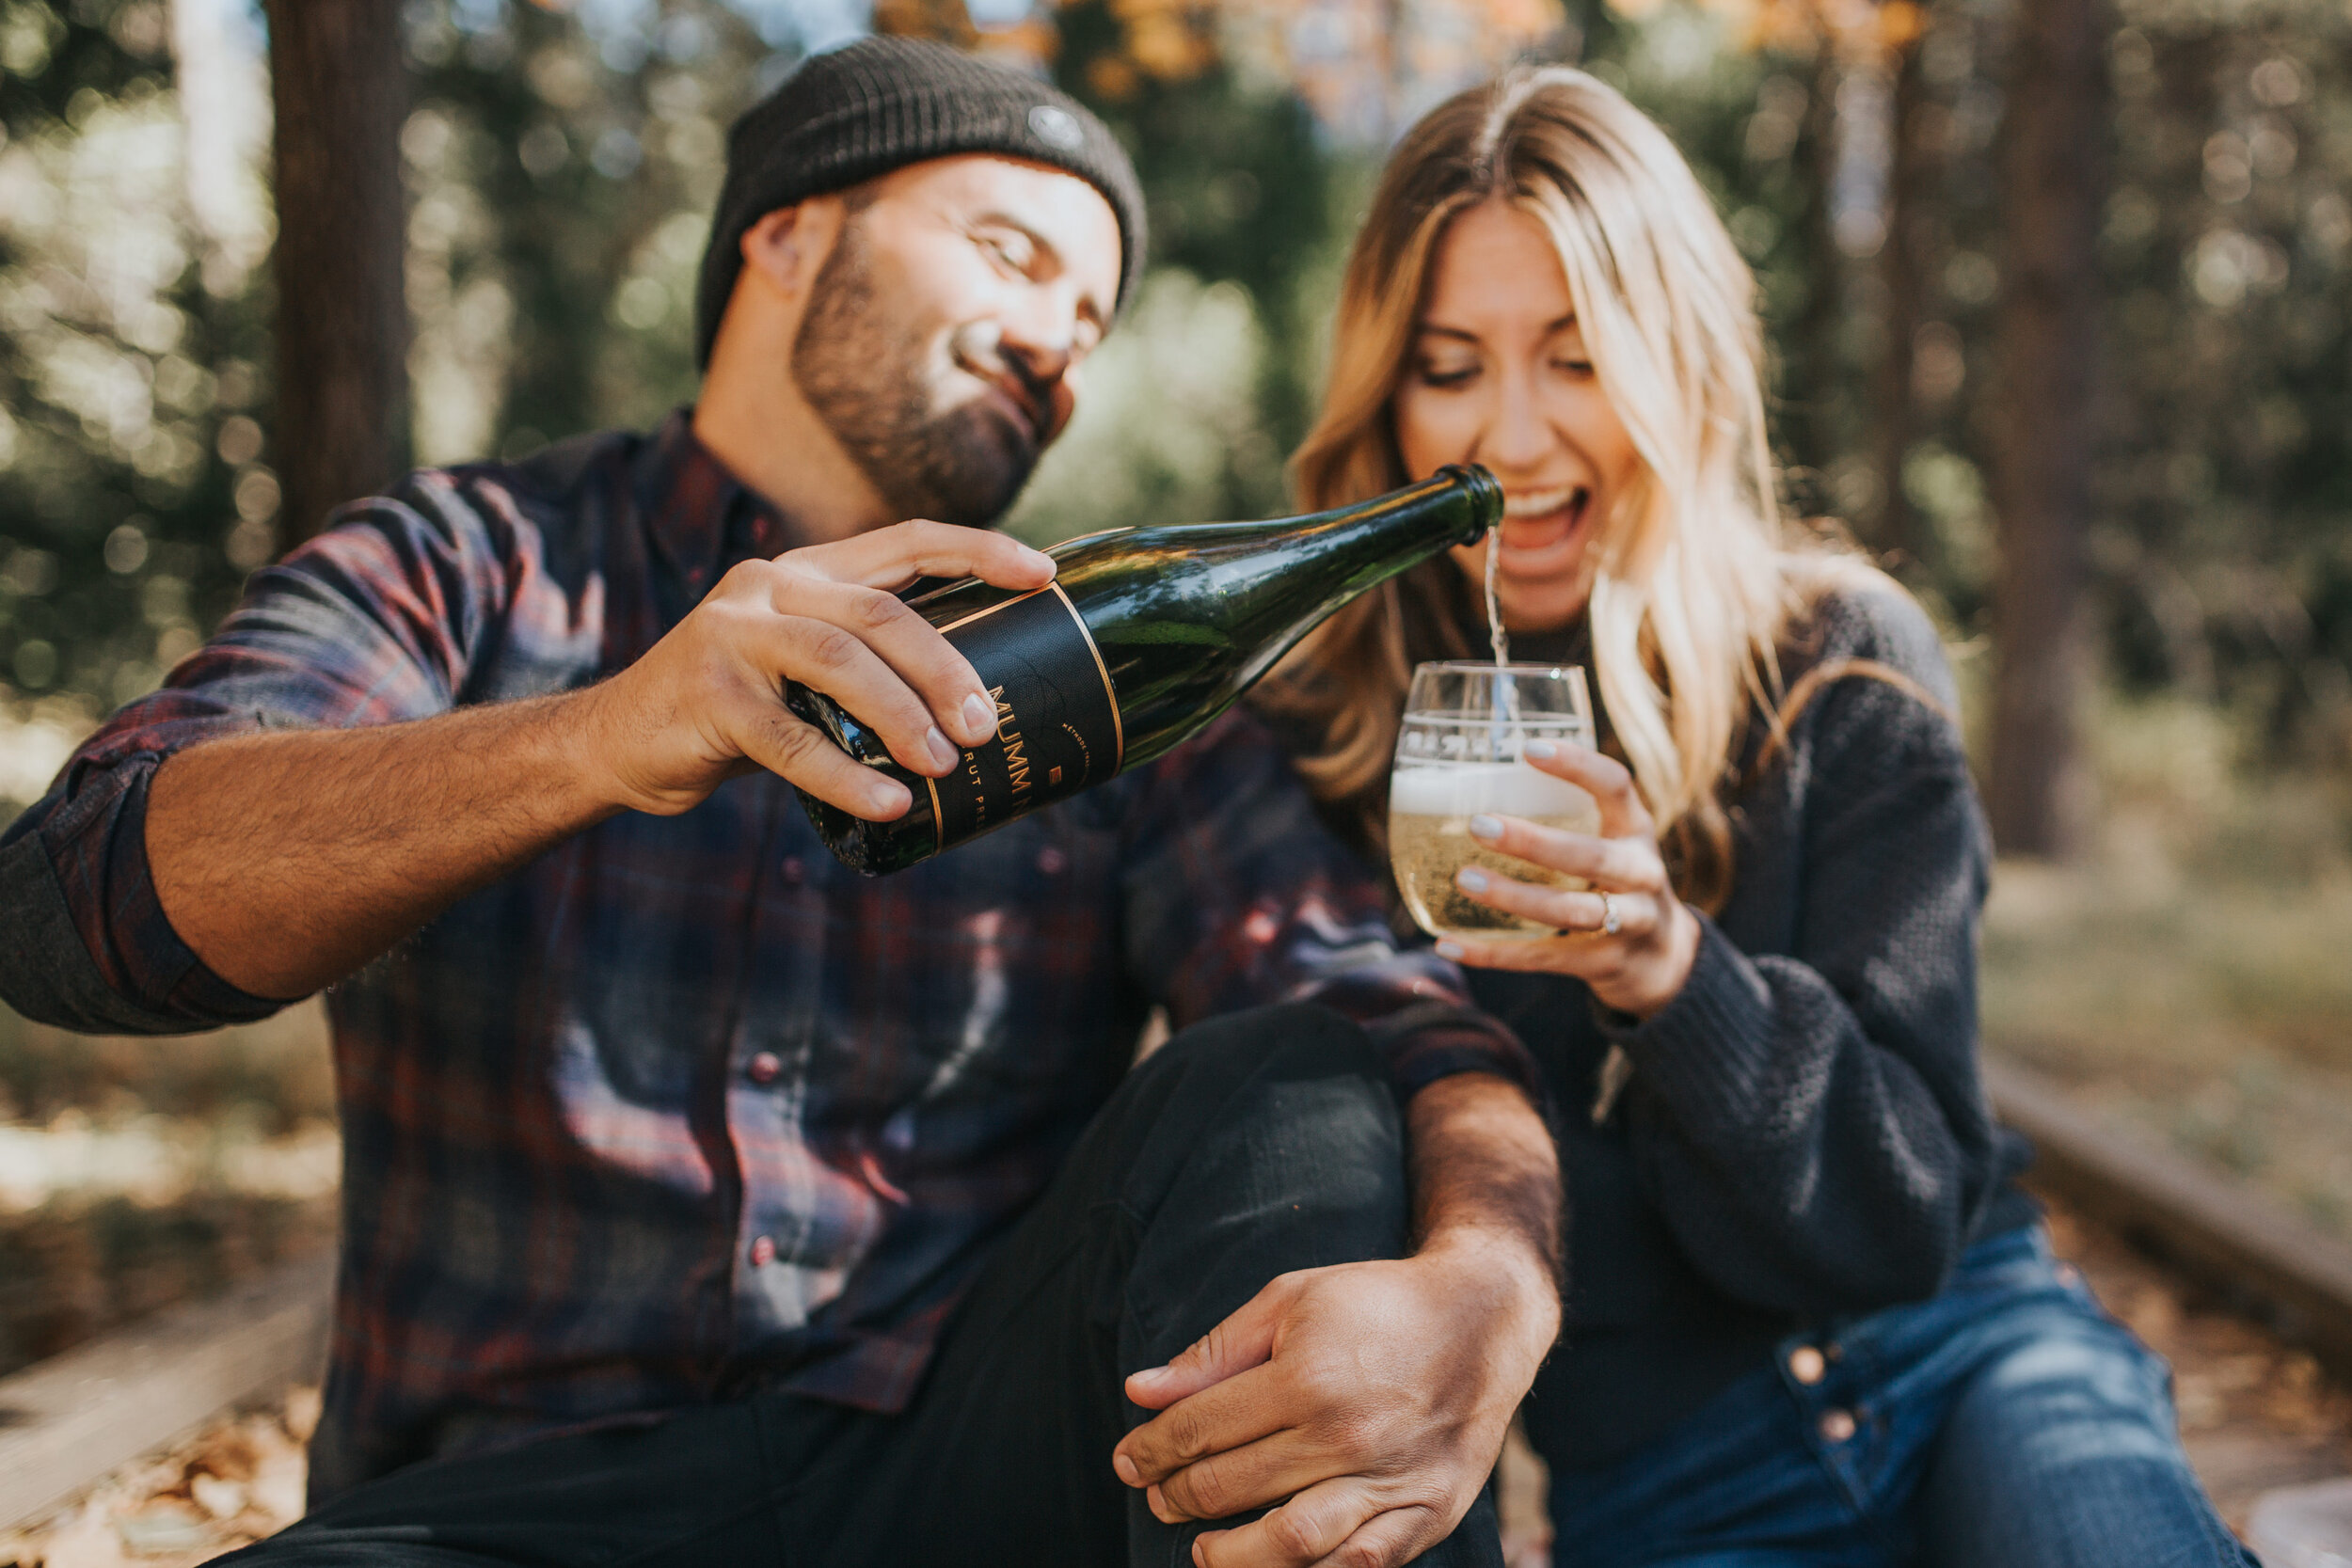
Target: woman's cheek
<point x="1431" y="431"/>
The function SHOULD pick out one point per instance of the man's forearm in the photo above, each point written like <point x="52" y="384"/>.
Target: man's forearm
<point x="1486" y="1179"/>
<point x="286" y="861"/>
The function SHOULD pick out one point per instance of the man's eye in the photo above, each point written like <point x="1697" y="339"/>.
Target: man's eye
<point x="1003" y="252"/>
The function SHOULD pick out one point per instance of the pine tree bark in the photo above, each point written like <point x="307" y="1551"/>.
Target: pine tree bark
<point x="340" y="88"/>
<point x="2046" y="346"/>
<point x="1902" y="269"/>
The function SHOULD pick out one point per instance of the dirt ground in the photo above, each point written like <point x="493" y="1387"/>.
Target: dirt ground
<point x="2255" y="1412"/>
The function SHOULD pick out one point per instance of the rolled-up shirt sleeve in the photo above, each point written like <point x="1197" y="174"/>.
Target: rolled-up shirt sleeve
<point x="370" y="623"/>
<point x="1237" y="895"/>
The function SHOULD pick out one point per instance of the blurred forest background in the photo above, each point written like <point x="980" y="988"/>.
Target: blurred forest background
<point x="2058" y="292"/>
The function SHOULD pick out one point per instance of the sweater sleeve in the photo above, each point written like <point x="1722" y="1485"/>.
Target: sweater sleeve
<point x="1811" y="1123"/>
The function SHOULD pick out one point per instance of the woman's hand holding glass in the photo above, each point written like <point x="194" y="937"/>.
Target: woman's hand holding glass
<point x="1645" y="963"/>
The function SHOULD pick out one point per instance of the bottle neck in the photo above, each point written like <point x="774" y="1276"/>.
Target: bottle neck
<point x="1304" y="568"/>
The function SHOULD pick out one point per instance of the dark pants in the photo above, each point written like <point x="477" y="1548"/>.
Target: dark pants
<point x="1248" y="1147"/>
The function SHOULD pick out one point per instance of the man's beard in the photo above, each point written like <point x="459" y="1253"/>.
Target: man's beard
<point x="964" y="465"/>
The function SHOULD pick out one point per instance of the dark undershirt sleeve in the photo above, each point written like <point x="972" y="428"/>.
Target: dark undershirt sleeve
<point x="1238" y="895"/>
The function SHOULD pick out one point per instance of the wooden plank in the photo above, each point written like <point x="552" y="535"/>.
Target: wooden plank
<point x="67" y="1421"/>
<point x="2218" y="1230"/>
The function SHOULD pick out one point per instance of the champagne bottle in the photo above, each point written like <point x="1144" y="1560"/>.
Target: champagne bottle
<point x="1144" y="636"/>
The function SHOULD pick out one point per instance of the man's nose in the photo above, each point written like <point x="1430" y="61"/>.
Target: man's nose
<point x="1042" y="345"/>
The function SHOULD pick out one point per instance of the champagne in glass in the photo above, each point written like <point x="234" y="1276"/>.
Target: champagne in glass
<point x="1462" y="752"/>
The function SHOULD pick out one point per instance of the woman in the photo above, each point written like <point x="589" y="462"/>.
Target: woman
<point x="1809" y="1319"/>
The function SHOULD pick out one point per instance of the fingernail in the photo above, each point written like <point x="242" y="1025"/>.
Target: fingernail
<point x="1542" y="749"/>
<point x="1448" y="950"/>
<point x="1470" y="880"/>
<point x="980" y="714"/>
<point x="1126" y="1468"/>
<point x="888" y="801"/>
<point x="942" y="752"/>
<point x="1483" y="826"/>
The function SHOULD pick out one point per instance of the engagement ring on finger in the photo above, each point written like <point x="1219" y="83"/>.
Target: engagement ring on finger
<point x="1611" y="922"/>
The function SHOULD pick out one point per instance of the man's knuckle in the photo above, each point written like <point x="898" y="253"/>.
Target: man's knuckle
<point x="878" y="611"/>
<point x="792" y="741"/>
<point x="831" y="648"/>
<point x="1294" y="1530"/>
<point x="1203" y="1490"/>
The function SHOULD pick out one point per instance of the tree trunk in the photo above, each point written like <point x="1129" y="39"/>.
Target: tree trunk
<point x="1902" y="269"/>
<point x="340" y="88"/>
<point x="2047" y="344"/>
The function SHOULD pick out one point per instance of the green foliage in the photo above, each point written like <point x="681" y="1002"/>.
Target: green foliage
<point x="562" y="183"/>
<point x="562" y="164"/>
<point x="131" y="362"/>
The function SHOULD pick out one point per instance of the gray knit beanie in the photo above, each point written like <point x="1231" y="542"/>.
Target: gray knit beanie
<point x="844" y="117"/>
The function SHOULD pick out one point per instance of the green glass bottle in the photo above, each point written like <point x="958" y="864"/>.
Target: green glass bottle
<point x="1145" y="635"/>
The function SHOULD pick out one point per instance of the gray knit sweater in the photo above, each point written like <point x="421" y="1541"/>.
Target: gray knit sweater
<point x="1804" y="1136"/>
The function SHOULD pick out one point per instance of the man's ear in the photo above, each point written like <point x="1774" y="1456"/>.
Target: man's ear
<point x="787" y="249"/>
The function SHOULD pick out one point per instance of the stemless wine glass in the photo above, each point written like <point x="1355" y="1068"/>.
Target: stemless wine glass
<point x="1462" y="752"/>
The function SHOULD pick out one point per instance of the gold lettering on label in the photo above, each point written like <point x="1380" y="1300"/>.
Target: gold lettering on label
<point x="979" y="789"/>
<point x="1016" y="752"/>
<point x="1053" y="776"/>
<point x="1085" y="752"/>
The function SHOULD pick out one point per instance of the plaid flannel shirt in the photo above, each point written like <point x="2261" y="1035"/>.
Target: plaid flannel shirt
<point x="685" y="1104"/>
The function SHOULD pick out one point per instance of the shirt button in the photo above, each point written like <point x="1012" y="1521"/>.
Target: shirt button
<point x="1838" y="1425"/>
<point x="1807" y="1365"/>
<point x="764" y="1252"/>
<point x="1052" y="861"/>
<point x="794" y="872"/>
<point x="764" y="1066"/>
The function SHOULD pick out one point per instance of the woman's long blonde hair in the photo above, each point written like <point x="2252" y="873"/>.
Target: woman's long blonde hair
<point x="1693" y="585"/>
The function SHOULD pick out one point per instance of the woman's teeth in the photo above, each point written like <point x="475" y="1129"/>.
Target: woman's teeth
<point x="1541" y="504"/>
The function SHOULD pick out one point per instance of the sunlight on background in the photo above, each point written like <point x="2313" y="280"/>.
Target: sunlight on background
<point x="561" y="163"/>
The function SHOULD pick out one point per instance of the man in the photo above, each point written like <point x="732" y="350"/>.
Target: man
<point x="703" y="1201"/>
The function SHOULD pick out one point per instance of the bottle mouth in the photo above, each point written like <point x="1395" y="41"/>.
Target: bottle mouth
<point x="1485" y="494"/>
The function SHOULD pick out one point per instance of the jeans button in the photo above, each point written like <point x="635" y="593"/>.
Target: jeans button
<point x="1838" y="1425"/>
<point x="1807" y="1365"/>
<point x="795" y="871"/>
<point x="764" y="1252"/>
<point x="763" y="1068"/>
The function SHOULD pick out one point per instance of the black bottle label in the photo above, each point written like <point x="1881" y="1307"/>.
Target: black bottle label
<point x="1058" y="725"/>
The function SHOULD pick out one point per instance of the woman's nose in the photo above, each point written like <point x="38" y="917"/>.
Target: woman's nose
<point x="1517" y="438"/>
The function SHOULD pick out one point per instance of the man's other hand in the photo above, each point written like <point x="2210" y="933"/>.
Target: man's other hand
<point x="706" y="702"/>
<point x="1373" y="1396"/>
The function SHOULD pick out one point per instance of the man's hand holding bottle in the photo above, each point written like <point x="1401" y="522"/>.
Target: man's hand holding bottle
<point x="706" y="702"/>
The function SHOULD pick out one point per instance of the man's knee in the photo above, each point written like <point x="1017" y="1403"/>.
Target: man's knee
<point x="1281" y="1095"/>
<point x="1285" y="1042"/>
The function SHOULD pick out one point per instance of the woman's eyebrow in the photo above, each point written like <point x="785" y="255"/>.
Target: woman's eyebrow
<point x="1436" y="329"/>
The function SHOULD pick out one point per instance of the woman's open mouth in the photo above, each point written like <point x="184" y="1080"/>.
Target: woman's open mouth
<point x="1536" y="523"/>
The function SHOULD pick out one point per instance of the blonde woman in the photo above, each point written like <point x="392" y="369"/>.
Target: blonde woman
<point x="1809" y="1318"/>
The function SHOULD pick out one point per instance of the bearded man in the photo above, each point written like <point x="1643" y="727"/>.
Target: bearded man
<point x="703" y="1201"/>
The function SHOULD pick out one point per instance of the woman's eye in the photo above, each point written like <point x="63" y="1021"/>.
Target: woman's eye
<point x="1578" y="368"/>
<point x="1446" y="376"/>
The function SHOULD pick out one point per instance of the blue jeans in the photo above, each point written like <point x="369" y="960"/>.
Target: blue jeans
<point x="2007" y="1423"/>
